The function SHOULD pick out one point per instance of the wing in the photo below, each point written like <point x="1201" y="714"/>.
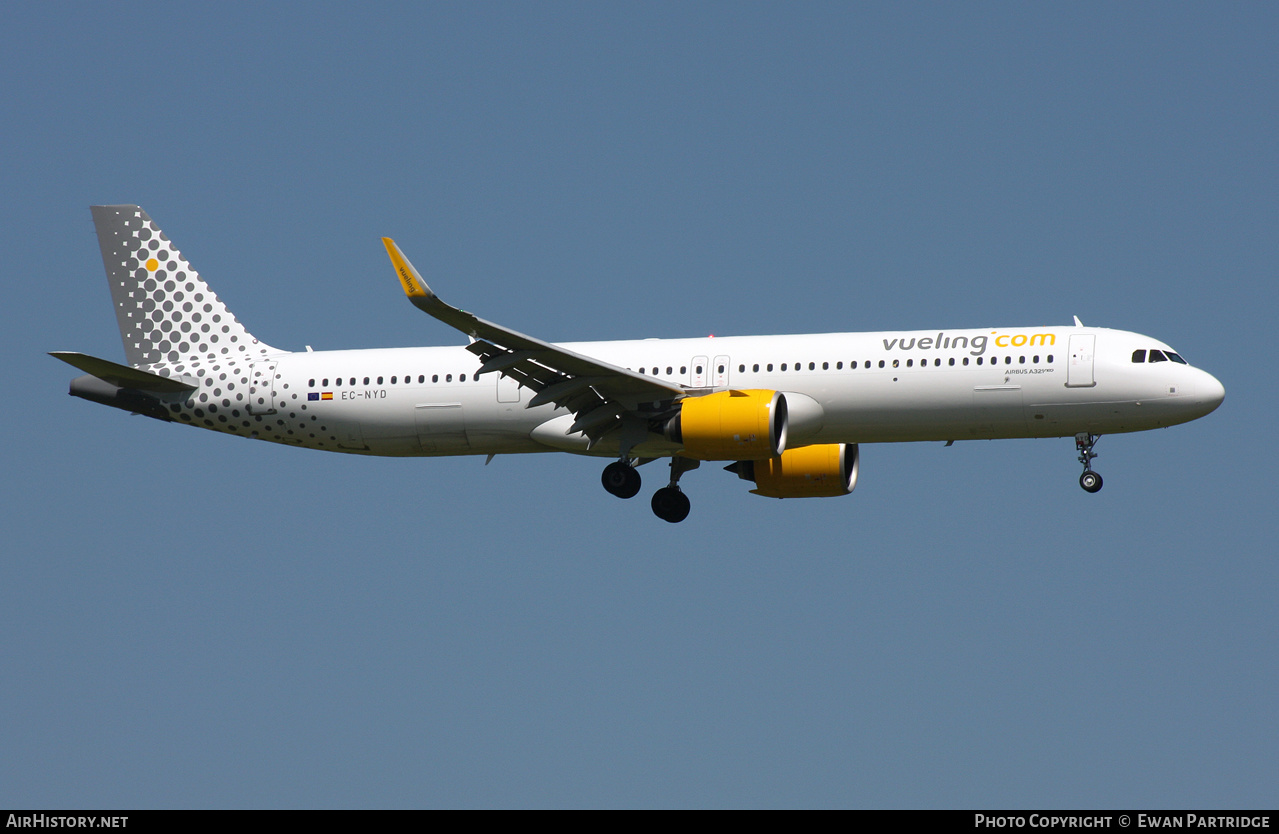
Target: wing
<point x="598" y="394"/>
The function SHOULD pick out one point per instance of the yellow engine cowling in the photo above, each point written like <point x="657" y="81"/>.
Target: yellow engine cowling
<point x="823" y="471"/>
<point x="731" y="425"/>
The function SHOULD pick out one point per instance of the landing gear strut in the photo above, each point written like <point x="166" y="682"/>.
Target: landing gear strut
<point x="621" y="479"/>
<point x="670" y="503"/>
<point x="1090" y="480"/>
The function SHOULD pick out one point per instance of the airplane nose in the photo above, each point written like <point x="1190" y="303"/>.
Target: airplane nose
<point x="1211" y="392"/>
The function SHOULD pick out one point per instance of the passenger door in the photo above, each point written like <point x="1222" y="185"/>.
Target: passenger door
<point x="1079" y="373"/>
<point x="720" y="370"/>
<point x="698" y="372"/>
<point x="262" y="388"/>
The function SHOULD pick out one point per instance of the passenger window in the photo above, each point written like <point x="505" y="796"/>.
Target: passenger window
<point x="1021" y="360"/>
<point x="325" y="382"/>
<point x="783" y="366"/>
<point x="721" y="370"/>
<point x="379" y="380"/>
<point x="978" y="360"/>
<point x="812" y="366"/>
<point x="755" y="368"/>
<point x="448" y="377"/>
<point x="406" y="379"/>
<point x="337" y="381"/>
<point x="825" y="366"/>
<point x="896" y="362"/>
<point x="310" y="383"/>
<point x="1157" y="356"/>
<point x="670" y="370"/>
<point x="1050" y="359"/>
<point x="352" y="380"/>
<point x="435" y="377"/>
<point x="1036" y="360"/>
<point x="839" y="366"/>
<point x="952" y="361"/>
<point x="1138" y="356"/>
<point x="881" y="363"/>
<point x="909" y="363"/>
<point x="937" y="362"/>
<point x="770" y="366"/>
<point x="683" y="369"/>
<point x="366" y="380"/>
<point x="462" y="378"/>
<point x="965" y="360"/>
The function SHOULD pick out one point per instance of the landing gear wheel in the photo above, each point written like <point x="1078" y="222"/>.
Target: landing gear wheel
<point x="1090" y="480"/>
<point x="670" y="504"/>
<point x="621" y="479"/>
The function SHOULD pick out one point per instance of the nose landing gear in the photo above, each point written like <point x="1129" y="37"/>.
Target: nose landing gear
<point x="1090" y="480"/>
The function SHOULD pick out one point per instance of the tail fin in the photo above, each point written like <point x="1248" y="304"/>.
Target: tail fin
<point x="166" y="313"/>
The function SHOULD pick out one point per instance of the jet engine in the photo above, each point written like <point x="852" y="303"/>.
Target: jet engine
<point x="822" y="471"/>
<point x="731" y="425"/>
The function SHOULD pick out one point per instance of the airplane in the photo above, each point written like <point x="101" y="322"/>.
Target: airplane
<point x="787" y="412"/>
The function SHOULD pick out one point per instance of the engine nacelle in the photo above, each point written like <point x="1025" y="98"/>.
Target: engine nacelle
<point x="731" y="425"/>
<point x="823" y="471"/>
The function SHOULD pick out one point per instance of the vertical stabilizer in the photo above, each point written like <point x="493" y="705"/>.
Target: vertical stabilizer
<point x="166" y="313"/>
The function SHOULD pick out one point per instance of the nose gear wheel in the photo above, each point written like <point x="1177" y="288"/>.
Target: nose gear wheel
<point x="1090" y="480"/>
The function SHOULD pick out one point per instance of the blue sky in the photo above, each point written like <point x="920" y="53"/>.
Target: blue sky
<point x="193" y="620"/>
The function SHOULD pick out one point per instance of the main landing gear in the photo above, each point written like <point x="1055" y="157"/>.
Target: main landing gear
<point x="1090" y="480"/>
<point x="621" y="479"/>
<point x="669" y="503"/>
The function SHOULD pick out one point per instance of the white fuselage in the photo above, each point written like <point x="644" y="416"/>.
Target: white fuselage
<point x="871" y="387"/>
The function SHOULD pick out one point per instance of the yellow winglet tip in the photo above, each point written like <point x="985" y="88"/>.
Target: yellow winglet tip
<point x="414" y="286"/>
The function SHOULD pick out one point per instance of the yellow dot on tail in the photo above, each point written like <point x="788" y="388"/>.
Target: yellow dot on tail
<point x="153" y="265"/>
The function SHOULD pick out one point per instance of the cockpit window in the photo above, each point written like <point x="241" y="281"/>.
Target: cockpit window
<point x="1157" y="356"/>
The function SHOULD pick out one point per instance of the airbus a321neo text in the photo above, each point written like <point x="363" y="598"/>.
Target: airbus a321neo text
<point x="785" y="412"/>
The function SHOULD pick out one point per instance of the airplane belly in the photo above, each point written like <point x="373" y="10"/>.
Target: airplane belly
<point x="392" y="431"/>
<point x="888" y="409"/>
<point x="441" y="428"/>
<point x="350" y="436"/>
<point x="997" y="412"/>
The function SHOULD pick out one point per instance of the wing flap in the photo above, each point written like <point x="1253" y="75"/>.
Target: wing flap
<point x="599" y="395"/>
<point x="525" y="353"/>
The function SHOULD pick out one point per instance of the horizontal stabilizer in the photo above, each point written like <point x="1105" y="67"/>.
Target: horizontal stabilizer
<point x="122" y="375"/>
